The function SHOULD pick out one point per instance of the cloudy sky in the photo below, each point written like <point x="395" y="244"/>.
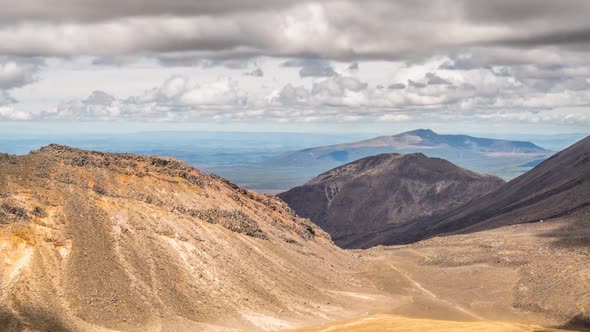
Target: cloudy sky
<point x="371" y="65"/>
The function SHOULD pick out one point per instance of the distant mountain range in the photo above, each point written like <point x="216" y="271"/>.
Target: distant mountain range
<point x="480" y="154"/>
<point x="503" y="158"/>
<point x="353" y="201"/>
<point x="458" y="146"/>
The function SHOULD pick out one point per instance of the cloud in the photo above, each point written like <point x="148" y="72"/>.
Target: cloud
<point x="396" y="86"/>
<point x="184" y="59"/>
<point x="175" y="99"/>
<point x="434" y="79"/>
<point x="395" y="117"/>
<point x="6" y="98"/>
<point x="99" y="10"/>
<point x="340" y="91"/>
<point x="290" y="95"/>
<point x="479" y="95"/>
<point x="414" y="84"/>
<point x="256" y="73"/>
<point x="311" y="67"/>
<point x="343" y="30"/>
<point x="487" y="93"/>
<point x="353" y="66"/>
<point x="180" y="92"/>
<point x="9" y="114"/>
<point x="99" y="98"/>
<point x="15" y="73"/>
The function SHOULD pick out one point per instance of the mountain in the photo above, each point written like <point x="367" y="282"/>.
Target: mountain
<point x="502" y="158"/>
<point x="557" y="187"/>
<point x="95" y="241"/>
<point x="353" y="201"/>
<point x="119" y="242"/>
<point x="455" y="148"/>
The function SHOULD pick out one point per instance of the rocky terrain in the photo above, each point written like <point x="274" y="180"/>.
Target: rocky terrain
<point x="354" y="202"/>
<point x="536" y="273"/>
<point x="95" y="241"/>
<point x="526" y="277"/>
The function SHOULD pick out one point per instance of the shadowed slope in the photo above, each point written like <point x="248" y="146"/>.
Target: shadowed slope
<point x="557" y="187"/>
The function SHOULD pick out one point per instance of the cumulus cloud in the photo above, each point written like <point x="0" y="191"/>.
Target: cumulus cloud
<point x="482" y="93"/>
<point x="10" y="114"/>
<point x="99" y="98"/>
<point x="175" y="99"/>
<point x="483" y="96"/>
<point x="290" y="95"/>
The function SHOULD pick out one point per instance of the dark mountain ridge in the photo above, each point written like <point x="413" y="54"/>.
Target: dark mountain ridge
<point x="351" y="202"/>
<point x="558" y="186"/>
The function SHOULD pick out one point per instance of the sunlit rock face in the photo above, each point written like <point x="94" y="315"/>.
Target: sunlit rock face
<point x="93" y="240"/>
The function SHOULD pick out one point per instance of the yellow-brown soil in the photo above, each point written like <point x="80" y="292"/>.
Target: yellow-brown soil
<point x="390" y="323"/>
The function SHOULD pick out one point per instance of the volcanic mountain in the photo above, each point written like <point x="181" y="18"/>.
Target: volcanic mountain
<point x="93" y="241"/>
<point x="557" y="187"/>
<point x="466" y="151"/>
<point x="353" y="202"/>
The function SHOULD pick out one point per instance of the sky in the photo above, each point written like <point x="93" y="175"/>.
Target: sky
<point x="286" y="65"/>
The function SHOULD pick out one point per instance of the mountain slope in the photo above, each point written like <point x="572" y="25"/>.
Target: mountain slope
<point x="93" y="241"/>
<point x="557" y="187"/>
<point x="352" y="202"/>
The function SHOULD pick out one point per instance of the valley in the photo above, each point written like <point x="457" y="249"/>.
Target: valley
<point x="515" y="278"/>
<point x="95" y="241"/>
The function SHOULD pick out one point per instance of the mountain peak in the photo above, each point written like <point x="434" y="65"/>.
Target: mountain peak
<point x="420" y="132"/>
<point x="356" y="201"/>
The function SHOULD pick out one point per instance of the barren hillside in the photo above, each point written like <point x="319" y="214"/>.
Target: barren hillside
<point x="92" y="241"/>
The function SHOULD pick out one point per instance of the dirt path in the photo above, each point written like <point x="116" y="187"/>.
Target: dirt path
<point x="358" y="322"/>
<point x="433" y="295"/>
